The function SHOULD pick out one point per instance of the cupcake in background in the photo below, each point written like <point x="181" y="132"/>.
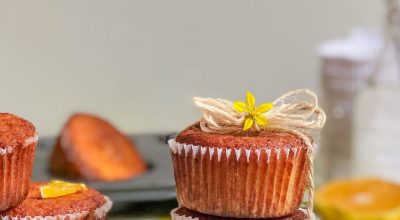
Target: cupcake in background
<point x="18" y="140"/>
<point x="91" y="148"/>
<point x="247" y="161"/>
<point x="61" y="200"/>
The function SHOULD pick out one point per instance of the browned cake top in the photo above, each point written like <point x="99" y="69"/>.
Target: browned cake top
<point x="100" y="149"/>
<point x="14" y="130"/>
<point x="194" y="135"/>
<point x="299" y="215"/>
<point x="87" y="200"/>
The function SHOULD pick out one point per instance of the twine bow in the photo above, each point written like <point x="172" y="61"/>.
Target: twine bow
<point x="297" y="112"/>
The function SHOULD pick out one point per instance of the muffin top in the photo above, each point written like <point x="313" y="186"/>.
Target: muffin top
<point x="195" y="136"/>
<point x="86" y="200"/>
<point x="289" y="121"/>
<point x="299" y="215"/>
<point x="15" y="131"/>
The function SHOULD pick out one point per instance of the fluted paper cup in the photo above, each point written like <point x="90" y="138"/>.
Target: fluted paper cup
<point x="15" y="172"/>
<point x="240" y="183"/>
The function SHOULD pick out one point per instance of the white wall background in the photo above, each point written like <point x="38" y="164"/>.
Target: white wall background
<point x="138" y="63"/>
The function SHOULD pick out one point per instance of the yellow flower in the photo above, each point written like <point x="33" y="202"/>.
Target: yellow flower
<point x="253" y="114"/>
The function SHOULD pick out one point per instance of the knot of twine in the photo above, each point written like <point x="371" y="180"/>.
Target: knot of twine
<point x="297" y="112"/>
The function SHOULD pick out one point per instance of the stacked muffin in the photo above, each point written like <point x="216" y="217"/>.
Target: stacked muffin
<point x="22" y="200"/>
<point x="244" y="161"/>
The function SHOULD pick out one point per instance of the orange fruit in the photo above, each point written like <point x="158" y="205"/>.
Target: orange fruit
<point x="359" y="199"/>
<point x="58" y="188"/>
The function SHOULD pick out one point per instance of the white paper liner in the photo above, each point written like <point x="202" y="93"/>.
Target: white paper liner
<point x="175" y="216"/>
<point x="8" y="149"/>
<point x="246" y="183"/>
<point x="98" y="214"/>
<point x="102" y="211"/>
<point x="179" y="148"/>
<point x="31" y="140"/>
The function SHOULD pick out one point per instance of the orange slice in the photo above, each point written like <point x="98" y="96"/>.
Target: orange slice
<point x="58" y="188"/>
<point x="359" y="199"/>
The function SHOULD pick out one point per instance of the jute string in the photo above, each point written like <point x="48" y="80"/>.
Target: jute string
<point x="296" y="112"/>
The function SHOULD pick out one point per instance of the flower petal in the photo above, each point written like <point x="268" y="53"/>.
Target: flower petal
<point x="264" y="108"/>
<point x="251" y="101"/>
<point x="248" y="123"/>
<point x="239" y="106"/>
<point x="260" y="120"/>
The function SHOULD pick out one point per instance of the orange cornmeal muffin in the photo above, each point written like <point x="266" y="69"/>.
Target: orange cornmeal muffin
<point x="250" y="175"/>
<point x="186" y="214"/>
<point x="248" y="160"/>
<point x="91" y="148"/>
<point x="18" y="140"/>
<point x="82" y="205"/>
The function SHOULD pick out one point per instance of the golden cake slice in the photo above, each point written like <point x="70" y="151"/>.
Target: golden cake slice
<point x="91" y="148"/>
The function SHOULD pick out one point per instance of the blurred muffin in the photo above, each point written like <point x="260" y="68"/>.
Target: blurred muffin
<point x="84" y="204"/>
<point x="186" y="214"/>
<point x="18" y="140"/>
<point x="252" y="175"/>
<point x="91" y="148"/>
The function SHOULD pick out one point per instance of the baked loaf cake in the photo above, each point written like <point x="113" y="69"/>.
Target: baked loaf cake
<point x="91" y="148"/>
<point x="18" y="140"/>
<point x="84" y="205"/>
<point x="187" y="214"/>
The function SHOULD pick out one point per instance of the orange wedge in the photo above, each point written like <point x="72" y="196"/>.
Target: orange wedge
<point x="58" y="188"/>
<point x="359" y="199"/>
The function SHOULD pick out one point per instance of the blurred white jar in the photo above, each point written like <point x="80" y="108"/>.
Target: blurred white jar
<point x="346" y="65"/>
<point x="377" y="123"/>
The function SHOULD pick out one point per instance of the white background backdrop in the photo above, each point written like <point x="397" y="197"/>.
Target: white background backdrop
<point x="138" y="63"/>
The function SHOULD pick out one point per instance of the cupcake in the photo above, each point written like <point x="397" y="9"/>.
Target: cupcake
<point x="246" y="161"/>
<point x="86" y="143"/>
<point x="18" y="141"/>
<point x="187" y="214"/>
<point x="60" y="200"/>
